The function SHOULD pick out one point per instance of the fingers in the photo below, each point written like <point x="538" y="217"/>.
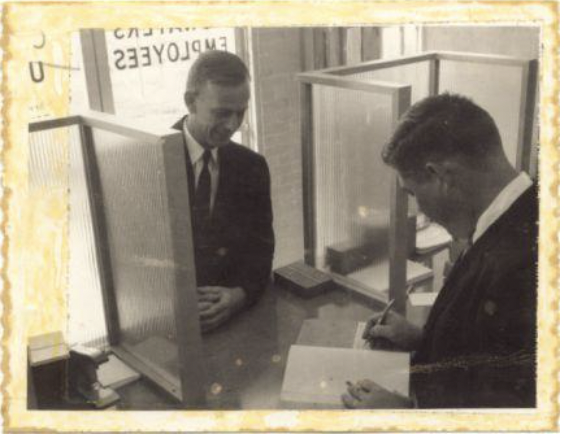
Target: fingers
<point x="203" y="305"/>
<point x="212" y="289"/>
<point x="357" y="394"/>
<point x="216" y="304"/>
<point x="214" y="321"/>
<point x="210" y="294"/>
<point x="372" y="321"/>
<point x="349" y="401"/>
<point x="209" y="290"/>
<point x="354" y="390"/>
<point x="368" y="385"/>
<point x="207" y="297"/>
<point x="212" y="310"/>
<point x="381" y="331"/>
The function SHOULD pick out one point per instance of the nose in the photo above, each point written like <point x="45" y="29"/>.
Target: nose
<point x="233" y="122"/>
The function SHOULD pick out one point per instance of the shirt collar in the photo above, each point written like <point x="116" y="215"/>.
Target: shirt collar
<point x="195" y="149"/>
<point x="501" y="203"/>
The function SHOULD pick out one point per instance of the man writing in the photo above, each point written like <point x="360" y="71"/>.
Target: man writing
<point x="229" y="189"/>
<point x="477" y="348"/>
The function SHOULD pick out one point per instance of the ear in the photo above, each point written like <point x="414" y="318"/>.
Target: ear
<point x="190" y="101"/>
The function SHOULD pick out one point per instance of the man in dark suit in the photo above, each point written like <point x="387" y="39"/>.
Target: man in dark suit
<point x="478" y="347"/>
<point x="229" y="189"/>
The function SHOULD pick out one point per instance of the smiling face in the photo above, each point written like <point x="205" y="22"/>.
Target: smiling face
<point x="216" y="112"/>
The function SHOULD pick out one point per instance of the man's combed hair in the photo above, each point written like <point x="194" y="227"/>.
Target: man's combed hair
<point x="441" y="127"/>
<point x="218" y="67"/>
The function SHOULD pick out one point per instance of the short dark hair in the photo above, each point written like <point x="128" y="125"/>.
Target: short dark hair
<point x="218" y="67"/>
<point x="439" y="127"/>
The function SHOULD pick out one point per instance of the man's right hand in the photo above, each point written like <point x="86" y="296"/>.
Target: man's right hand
<point x="395" y="329"/>
<point x="217" y="304"/>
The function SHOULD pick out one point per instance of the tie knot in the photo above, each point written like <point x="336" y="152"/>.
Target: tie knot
<point x="207" y="157"/>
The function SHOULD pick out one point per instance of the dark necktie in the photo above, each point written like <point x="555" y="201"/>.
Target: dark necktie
<point x="203" y="190"/>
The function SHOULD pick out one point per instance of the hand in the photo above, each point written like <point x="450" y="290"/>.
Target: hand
<point x="217" y="304"/>
<point x="369" y="395"/>
<point x="395" y="329"/>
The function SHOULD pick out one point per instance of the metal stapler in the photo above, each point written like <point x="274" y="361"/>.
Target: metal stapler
<point x="83" y="378"/>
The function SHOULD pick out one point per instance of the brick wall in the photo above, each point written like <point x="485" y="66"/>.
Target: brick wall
<point x="277" y="59"/>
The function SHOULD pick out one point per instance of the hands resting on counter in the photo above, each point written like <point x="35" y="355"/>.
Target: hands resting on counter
<point x="216" y="304"/>
<point x="404" y="336"/>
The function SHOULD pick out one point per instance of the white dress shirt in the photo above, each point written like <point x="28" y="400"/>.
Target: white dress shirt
<point x="196" y="153"/>
<point x="501" y="203"/>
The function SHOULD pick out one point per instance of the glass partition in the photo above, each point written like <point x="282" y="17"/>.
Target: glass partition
<point x="496" y="88"/>
<point x="132" y="275"/>
<point x="418" y="75"/>
<point x="352" y="184"/>
<point x="361" y="219"/>
<point x="87" y="324"/>
<point x="137" y="221"/>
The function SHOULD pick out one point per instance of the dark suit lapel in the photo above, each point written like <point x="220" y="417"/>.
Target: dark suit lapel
<point x="190" y="174"/>
<point x="448" y="292"/>
<point x="189" y="169"/>
<point x="226" y="174"/>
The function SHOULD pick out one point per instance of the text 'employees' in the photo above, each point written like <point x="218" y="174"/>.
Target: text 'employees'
<point x="146" y="56"/>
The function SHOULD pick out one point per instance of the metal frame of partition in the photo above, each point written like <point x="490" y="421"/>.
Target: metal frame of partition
<point x="188" y="388"/>
<point x="401" y="98"/>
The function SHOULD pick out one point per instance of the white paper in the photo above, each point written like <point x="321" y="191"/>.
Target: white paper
<point x="318" y="375"/>
<point x="359" y="343"/>
<point x="425" y="299"/>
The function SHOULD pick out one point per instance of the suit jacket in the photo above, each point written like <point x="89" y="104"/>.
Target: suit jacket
<point x="236" y="245"/>
<point x="479" y="343"/>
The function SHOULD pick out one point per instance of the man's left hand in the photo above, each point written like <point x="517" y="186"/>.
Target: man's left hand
<point x="369" y="395"/>
<point x="217" y="304"/>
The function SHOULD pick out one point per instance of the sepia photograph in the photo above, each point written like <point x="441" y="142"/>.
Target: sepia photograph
<point x="282" y="219"/>
<point x="311" y="218"/>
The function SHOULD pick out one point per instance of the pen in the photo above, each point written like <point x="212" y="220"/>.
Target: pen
<point x="380" y="321"/>
<point x="385" y="312"/>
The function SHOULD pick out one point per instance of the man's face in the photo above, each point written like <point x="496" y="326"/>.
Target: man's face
<point x="216" y="113"/>
<point x="430" y="195"/>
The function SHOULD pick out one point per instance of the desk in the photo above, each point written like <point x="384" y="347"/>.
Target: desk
<point x="246" y="358"/>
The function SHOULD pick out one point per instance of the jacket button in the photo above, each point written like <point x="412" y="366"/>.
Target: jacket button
<point x="222" y="252"/>
<point x="490" y="308"/>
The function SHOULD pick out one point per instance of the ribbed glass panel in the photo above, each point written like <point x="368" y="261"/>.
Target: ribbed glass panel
<point x="141" y="254"/>
<point x="48" y="158"/>
<point x="56" y="164"/>
<point x="496" y="88"/>
<point x="352" y="183"/>
<point x="417" y="75"/>
<point x="86" y="311"/>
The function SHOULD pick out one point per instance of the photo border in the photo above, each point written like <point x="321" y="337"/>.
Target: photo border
<point x="35" y="247"/>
